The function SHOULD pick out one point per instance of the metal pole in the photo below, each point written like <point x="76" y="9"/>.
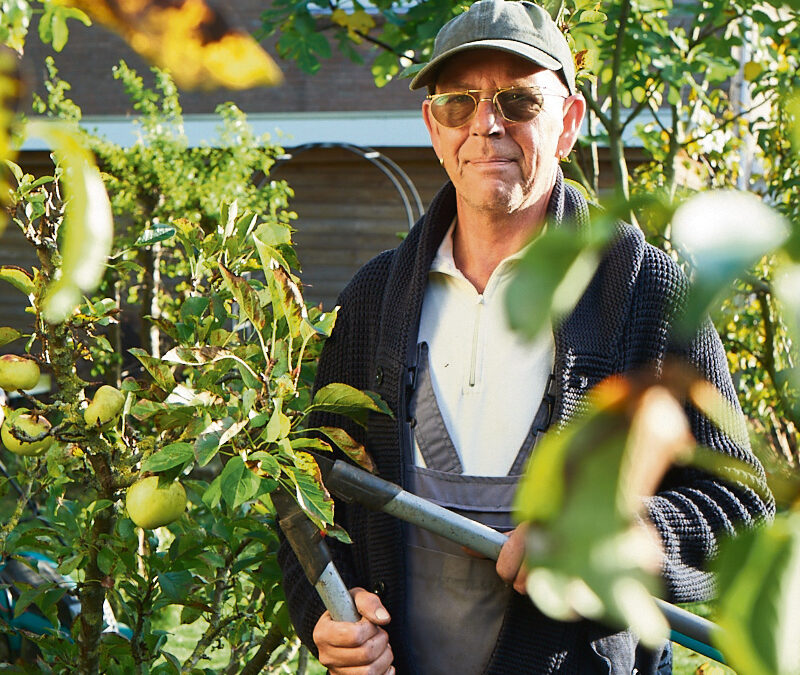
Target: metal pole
<point x="353" y="484"/>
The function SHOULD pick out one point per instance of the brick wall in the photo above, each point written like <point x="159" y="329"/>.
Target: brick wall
<point x="339" y="85"/>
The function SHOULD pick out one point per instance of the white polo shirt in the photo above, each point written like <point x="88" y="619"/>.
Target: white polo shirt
<point x="488" y="380"/>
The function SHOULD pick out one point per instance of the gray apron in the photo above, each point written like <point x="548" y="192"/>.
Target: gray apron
<point x="456" y="602"/>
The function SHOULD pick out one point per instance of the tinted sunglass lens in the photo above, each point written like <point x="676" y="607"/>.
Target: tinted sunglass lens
<point x="520" y="104"/>
<point x="453" y="110"/>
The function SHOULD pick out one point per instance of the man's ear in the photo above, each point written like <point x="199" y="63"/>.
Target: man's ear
<point x="573" y="118"/>
<point x="433" y="128"/>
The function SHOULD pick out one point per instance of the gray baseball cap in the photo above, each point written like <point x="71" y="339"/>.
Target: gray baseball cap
<point x="517" y="27"/>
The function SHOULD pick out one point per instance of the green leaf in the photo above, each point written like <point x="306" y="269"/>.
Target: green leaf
<point x="307" y="486"/>
<point x="27" y="597"/>
<point x="342" y="399"/>
<point x="273" y="234"/>
<point x="213" y="494"/>
<point x="279" y="424"/>
<point x="106" y="559"/>
<point x="190" y="614"/>
<point x="550" y="279"/>
<point x="581" y="496"/>
<point x="194" y="307"/>
<point x="18" y="278"/>
<point x="237" y="483"/>
<point x="245" y="296"/>
<point x="155" y="233"/>
<point x="70" y="564"/>
<point x="8" y="335"/>
<point x="176" y="585"/>
<point x="268" y="464"/>
<point x="169" y="456"/>
<point x="352" y="448"/>
<point x="759" y="583"/>
<point x="88" y="226"/>
<point x="287" y="299"/>
<point x="160" y="371"/>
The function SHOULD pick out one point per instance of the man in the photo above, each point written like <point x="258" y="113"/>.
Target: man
<point x="424" y="326"/>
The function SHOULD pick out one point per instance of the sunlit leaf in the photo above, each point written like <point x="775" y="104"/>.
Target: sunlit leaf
<point x="758" y="578"/>
<point x="357" y="23"/>
<point x="287" y="298"/>
<point x="717" y="232"/>
<point x="155" y="233"/>
<point x="245" y="296"/>
<point x="238" y="483"/>
<point x="18" y="278"/>
<point x="342" y="399"/>
<point x="264" y="464"/>
<point x="793" y="108"/>
<point x="169" y="456"/>
<point x="160" y="371"/>
<point x="787" y="289"/>
<point x="213" y="436"/>
<point x="279" y="424"/>
<point x="349" y="446"/>
<point x="190" y="39"/>
<point x="307" y="486"/>
<point x="87" y="231"/>
<point x="53" y="28"/>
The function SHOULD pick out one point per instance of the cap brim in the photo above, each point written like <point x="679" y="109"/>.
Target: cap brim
<point x="533" y="54"/>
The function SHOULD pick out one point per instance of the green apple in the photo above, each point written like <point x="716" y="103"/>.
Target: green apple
<point x="151" y="505"/>
<point x="105" y="406"/>
<point x="18" y="372"/>
<point x="31" y="424"/>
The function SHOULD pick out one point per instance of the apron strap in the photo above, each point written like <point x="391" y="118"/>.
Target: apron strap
<point x="434" y="441"/>
<point x="541" y="421"/>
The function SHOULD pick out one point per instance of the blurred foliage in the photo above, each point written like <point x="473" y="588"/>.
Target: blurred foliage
<point x="189" y="38"/>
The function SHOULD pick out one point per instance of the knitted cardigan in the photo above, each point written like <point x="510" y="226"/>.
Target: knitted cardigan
<point x="622" y="323"/>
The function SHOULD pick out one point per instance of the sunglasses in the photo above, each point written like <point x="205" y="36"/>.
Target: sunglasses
<point x="515" y="104"/>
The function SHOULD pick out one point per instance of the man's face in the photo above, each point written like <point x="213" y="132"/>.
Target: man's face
<point x="497" y="166"/>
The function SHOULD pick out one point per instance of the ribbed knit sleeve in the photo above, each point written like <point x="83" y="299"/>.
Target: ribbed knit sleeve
<point x="693" y="509"/>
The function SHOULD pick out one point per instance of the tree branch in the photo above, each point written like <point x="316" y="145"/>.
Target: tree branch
<point x="271" y="641"/>
<point x="594" y="106"/>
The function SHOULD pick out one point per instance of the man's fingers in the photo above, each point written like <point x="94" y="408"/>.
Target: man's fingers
<point x="344" y="633"/>
<point x="509" y="563"/>
<point x="374" y="653"/>
<point x="370" y="606"/>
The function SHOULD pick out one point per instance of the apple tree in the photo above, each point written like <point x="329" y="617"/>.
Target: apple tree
<point x="168" y="317"/>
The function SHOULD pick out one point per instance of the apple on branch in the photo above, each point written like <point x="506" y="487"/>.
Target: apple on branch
<point x="151" y="505"/>
<point x="28" y="423"/>
<point x="105" y="406"/>
<point x="18" y="372"/>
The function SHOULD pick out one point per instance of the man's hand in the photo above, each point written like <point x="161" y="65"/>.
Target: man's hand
<point x="509" y="562"/>
<point x="360" y="648"/>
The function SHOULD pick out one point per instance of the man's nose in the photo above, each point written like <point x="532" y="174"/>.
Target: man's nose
<point x="487" y="120"/>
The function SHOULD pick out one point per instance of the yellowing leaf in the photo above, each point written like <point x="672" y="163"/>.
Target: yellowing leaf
<point x="10" y="92"/>
<point x="190" y="39"/>
<point x="358" y="23"/>
<point x="752" y="69"/>
<point x="88" y="226"/>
